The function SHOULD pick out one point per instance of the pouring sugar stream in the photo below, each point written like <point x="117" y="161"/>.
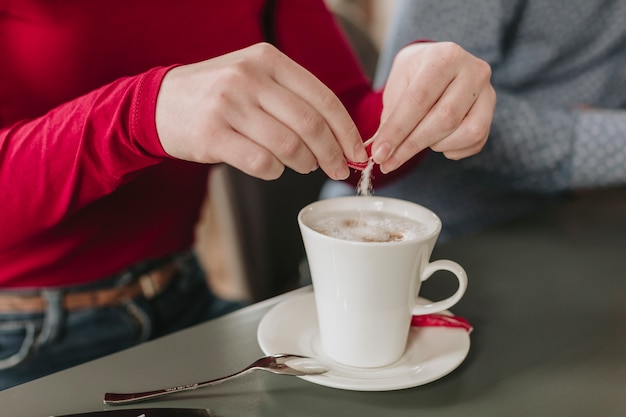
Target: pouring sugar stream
<point x="367" y="225"/>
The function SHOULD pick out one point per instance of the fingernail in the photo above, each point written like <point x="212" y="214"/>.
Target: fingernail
<point x="381" y="153"/>
<point x="389" y="165"/>
<point x="343" y="172"/>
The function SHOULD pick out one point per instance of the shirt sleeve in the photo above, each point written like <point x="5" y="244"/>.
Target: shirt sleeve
<point x="546" y="149"/>
<point x="76" y="153"/>
<point x="599" y="152"/>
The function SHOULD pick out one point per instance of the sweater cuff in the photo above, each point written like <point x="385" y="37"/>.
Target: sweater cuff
<point x="143" y="117"/>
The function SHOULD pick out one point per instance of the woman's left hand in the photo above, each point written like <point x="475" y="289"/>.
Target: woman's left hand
<point x="437" y="96"/>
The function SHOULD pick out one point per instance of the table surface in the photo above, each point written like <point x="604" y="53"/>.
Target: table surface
<point x="547" y="298"/>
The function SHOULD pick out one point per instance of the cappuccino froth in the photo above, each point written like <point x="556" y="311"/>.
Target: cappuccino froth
<point x="368" y="226"/>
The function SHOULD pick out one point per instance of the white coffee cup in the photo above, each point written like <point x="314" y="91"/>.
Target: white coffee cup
<point x="366" y="292"/>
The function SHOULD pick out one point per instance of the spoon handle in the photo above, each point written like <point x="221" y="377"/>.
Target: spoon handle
<point x="131" y="397"/>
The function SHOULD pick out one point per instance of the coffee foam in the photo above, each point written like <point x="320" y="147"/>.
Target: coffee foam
<point x="368" y="226"/>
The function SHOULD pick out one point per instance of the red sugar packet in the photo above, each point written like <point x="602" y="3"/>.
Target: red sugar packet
<point x="357" y="165"/>
<point x="441" y="320"/>
<point x="361" y="165"/>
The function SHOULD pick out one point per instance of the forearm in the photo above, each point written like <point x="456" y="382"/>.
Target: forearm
<point x="538" y="148"/>
<point x="76" y="153"/>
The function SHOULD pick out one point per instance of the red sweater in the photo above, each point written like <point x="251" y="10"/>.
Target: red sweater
<point x="85" y="186"/>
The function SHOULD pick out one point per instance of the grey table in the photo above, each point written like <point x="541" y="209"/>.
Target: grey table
<point x="547" y="297"/>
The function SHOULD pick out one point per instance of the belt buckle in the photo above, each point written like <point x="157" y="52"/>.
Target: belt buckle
<point x="149" y="285"/>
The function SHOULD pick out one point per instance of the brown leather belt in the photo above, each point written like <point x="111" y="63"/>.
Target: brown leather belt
<point x="149" y="285"/>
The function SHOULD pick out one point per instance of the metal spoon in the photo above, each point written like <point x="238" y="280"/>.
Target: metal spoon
<point x="278" y="364"/>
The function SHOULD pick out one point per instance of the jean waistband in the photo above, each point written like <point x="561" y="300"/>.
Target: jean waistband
<point x="146" y="279"/>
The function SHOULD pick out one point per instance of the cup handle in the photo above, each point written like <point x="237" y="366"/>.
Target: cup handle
<point x="437" y="306"/>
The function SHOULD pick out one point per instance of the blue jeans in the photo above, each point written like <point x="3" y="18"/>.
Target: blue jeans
<point x="33" y="345"/>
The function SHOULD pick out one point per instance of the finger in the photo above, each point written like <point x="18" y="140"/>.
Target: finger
<point x="411" y="105"/>
<point x="256" y="124"/>
<point x="473" y="131"/>
<point x="448" y="114"/>
<point x="459" y="154"/>
<point x="308" y="126"/>
<point x="246" y="155"/>
<point x="301" y="82"/>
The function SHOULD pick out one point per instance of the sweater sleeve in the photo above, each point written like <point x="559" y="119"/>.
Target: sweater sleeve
<point x="547" y="149"/>
<point x="599" y="151"/>
<point x="533" y="145"/>
<point x="55" y="164"/>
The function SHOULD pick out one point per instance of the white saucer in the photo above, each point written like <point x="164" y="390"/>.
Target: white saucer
<point x="432" y="352"/>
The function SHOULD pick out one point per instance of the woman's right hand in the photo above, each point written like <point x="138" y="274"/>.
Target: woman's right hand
<point x="259" y="111"/>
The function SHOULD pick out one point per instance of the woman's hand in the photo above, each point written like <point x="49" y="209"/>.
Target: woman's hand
<point x="259" y="111"/>
<point x="437" y="96"/>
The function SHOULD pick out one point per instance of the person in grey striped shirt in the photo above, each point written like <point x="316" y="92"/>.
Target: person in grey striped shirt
<point x="559" y="70"/>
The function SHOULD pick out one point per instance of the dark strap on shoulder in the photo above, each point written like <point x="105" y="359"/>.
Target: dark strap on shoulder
<point x="268" y="21"/>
